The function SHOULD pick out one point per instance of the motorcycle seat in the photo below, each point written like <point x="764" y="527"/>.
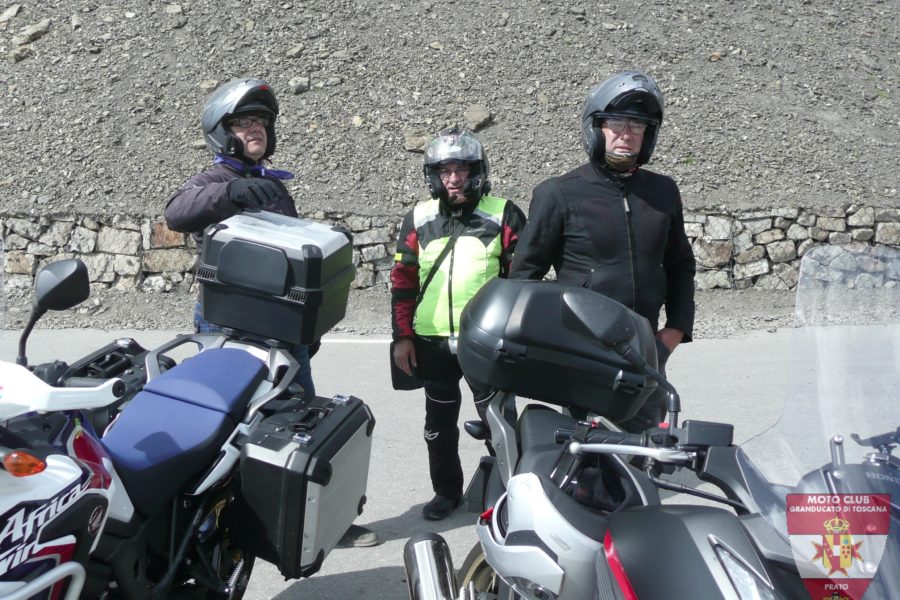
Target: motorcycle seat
<point x="173" y="429"/>
<point x="537" y="429"/>
<point x="220" y="379"/>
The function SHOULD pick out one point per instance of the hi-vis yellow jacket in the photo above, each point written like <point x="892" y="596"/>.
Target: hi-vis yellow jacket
<point x="488" y="232"/>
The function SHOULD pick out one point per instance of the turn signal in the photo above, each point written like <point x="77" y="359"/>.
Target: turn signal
<point x="23" y="464"/>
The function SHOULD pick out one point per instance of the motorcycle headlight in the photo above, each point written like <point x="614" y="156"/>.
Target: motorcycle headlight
<point x="748" y="584"/>
<point x="529" y="589"/>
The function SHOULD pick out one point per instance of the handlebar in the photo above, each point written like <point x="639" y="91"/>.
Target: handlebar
<point x="665" y="447"/>
<point x="603" y="436"/>
<point x="118" y="389"/>
<point x="605" y="441"/>
<point x="81" y="382"/>
<point x="663" y="455"/>
<point x="562" y="434"/>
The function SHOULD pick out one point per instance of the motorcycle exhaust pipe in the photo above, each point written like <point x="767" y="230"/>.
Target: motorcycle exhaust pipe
<point x="429" y="569"/>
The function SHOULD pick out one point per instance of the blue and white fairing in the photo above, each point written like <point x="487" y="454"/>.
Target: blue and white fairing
<point x="21" y="392"/>
<point x="78" y="468"/>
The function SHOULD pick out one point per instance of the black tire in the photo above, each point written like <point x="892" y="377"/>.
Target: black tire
<point x="476" y="570"/>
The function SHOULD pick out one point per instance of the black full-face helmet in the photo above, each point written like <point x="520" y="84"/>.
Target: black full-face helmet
<point x="457" y="145"/>
<point x="238" y="97"/>
<point x="630" y="94"/>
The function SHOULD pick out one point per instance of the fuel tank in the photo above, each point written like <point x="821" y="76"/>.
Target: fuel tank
<point x="673" y="551"/>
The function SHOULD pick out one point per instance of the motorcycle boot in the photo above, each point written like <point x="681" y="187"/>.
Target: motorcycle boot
<point x="440" y="507"/>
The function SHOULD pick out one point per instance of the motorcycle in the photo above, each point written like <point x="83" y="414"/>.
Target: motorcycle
<point x="203" y="466"/>
<point x="584" y="525"/>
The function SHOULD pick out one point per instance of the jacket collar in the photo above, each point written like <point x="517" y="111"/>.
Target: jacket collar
<point x="592" y="173"/>
<point x="458" y="210"/>
<point x="248" y="169"/>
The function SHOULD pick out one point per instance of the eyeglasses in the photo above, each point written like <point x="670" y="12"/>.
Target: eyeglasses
<point x="461" y="171"/>
<point x="245" y="122"/>
<point x="617" y="125"/>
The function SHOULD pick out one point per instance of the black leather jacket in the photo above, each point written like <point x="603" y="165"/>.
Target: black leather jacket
<point x="621" y="236"/>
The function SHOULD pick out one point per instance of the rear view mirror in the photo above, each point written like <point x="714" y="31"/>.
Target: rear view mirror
<point x="57" y="286"/>
<point x="61" y="285"/>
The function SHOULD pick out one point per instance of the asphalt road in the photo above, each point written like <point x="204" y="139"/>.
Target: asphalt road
<point x="741" y="380"/>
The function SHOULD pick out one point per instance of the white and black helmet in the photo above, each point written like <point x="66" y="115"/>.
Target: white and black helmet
<point x="457" y="145"/>
<point x="630" y="94"/>
<point x="238" y="97"/>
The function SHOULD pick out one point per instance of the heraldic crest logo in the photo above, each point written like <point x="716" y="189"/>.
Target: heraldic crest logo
<point x="837" y="541"/>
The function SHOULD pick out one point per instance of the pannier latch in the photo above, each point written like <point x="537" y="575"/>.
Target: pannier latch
<point x="511" y="353"/>
<point x="340" y="399"/>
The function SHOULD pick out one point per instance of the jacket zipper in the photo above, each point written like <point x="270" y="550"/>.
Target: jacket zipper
<point x="631" y="249"/>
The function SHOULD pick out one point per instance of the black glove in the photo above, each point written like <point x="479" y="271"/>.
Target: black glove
<point x="253" y="194"/>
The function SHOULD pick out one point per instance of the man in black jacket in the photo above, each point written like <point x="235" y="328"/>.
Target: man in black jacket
<point x="616" y="228"/>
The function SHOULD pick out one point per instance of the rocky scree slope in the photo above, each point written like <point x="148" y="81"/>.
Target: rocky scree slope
<point x="769" y="103"/>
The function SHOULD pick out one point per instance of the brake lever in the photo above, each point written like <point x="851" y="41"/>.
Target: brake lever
<point x="665" y="455"/>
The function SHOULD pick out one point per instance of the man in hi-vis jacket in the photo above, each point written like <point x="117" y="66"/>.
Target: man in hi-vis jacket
<point x="461" y="239"/>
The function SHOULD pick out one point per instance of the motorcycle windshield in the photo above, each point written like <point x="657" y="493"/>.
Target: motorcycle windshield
<point x="844" y="376"/>
<point x="843" y="386"/>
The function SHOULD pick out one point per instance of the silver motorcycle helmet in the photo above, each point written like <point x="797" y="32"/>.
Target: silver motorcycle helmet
<point x="457" y="145"/>
<point x="238" y="97"/>
<point x="629" y="94"/>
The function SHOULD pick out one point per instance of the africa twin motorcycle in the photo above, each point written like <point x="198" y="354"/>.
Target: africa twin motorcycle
<point x="203" y="466"/>
<point x="565" y="515"/>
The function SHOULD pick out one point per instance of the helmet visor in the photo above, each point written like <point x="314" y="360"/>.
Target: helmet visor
<point x="454" y="147"/>
<point x="638" y="105"/>
<point x="255" y="108"/>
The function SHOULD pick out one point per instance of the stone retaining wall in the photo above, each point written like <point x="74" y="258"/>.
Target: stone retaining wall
<point x="734" y="250"/>
<point x="763" y="248"/>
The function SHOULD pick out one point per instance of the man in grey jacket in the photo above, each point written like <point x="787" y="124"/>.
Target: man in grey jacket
<point x="239" y="128"/>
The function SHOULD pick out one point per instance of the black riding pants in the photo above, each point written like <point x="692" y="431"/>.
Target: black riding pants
<point x="443" y="400"/>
